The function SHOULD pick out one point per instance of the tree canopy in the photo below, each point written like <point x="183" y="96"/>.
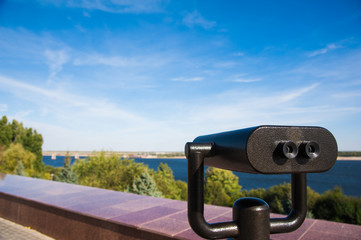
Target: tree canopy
<point x="20" y="144"/>
<point x="221" y="187"/>
<point x="109" y="172"/>
<point x="167" y="185"/>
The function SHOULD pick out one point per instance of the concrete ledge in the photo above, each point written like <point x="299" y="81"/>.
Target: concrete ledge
<point x="67" y="211"/>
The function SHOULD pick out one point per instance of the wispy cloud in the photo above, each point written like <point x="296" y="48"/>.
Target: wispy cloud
<point x="195" y="19"/>
<point x="247" y="80"/>
<point x="325" y="50"/>
<point x="238" y="54"/>
<point x="64" y="103"/>
<point x="113" y="61"/>
<point x="120" y="6"/>
<point x="56" y="59"/>
<point x="297" y="93"/>
<point x="238" y="109"/>
<point x="190" y="79"/>
<point x="3" y="107"/>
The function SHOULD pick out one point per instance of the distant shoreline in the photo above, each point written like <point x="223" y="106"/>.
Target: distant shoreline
<point x="152" y="156"/>
<point x="349" y="158"/>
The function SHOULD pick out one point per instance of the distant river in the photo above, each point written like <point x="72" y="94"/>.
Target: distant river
<point x="346" y="174"/>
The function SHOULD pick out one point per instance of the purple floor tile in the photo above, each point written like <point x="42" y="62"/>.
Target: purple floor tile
<point x="211" y="211"/>
<point x="180" y="216"/>
<point x="297" y="234"/>
<point x="339" y="229"/>
<point x="166" y="226"/>
<point x="312" y="235"/>
<point x="220" y="219"/>
<point x="141" y="203"/>
<point x="107" y="212"/>
<point x="144" y="216"/>
<point x="188" y="234"/>
<point x="176" y="204"/>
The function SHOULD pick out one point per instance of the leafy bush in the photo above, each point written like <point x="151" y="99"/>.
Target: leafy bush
<point x="67" y="174"/>
<point x="334" y="206"/>
<point x="170" y="188"/>
<point x="144" y="185"/>
<point x="221" y="187"/>
<point x="109" y="172"/>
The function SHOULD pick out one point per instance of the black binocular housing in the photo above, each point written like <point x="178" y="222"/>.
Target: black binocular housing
<point x="272" y="150"/>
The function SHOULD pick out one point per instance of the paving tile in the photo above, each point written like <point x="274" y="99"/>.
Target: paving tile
<point x="176" y="204"/>
<point x="10" y="230"/>
<point x="180" y="216"/>
<point x="141" y="203"/>
<point x="144" y="216"/>
<point x="95" y="204"/>
<point x="188" y="234"/>
<point x="222" y="218"/>
<point x="107" y="212"/>
<point x="312" y="235"/>
<point x="338" y="229"/>
<point x="211" y="211"/>
<point x="166" y="226"/>
<point x="297" y="234"/>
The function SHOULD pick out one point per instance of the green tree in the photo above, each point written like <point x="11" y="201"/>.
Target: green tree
<point x="279" y="198"/>
<point x="221" y="187"/>
<point x="183" y="189"/>
<point x="33" y="141"/>
<point x="20" y="169"/>
<point x="16" y="133"/>
<point x="109" y="172"/>
<point x="312" y="197"/>
<point x="215" y="194"/>
<point x="144" y="185"/>
<point x="14" y="155"/>
<point x="334" y="206"/>
<point x="257" y="193"/>
<point x="170" y="188"/>
<point x="5" y="132"/>
<point x="67" y="174"/>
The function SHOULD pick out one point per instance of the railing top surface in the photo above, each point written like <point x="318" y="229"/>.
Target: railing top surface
<point x="158" y="215"/>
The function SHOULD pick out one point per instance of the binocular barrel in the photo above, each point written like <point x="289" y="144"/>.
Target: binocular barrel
<point x="272" y="149"/>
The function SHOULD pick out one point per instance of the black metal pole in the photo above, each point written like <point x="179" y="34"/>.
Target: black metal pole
<point x="299" y="206"/>
<point x="195" y="154"/>
<point x="252" y="216"/>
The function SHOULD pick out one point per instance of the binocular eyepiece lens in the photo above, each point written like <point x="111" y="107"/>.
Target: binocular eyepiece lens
<point x="312" y="149"/>
<point x="289" y="149"/>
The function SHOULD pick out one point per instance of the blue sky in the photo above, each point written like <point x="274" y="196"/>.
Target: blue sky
<point x="152" y="75"/>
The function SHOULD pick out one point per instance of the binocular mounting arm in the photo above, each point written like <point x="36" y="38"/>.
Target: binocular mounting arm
<point x="195" y="153"/>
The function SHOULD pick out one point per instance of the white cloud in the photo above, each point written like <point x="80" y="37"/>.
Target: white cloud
<point x="113" y="61"/>
<point x="72" y="121"/>
<point x="56" y="59"/>
<point x="239" y="109"/>
<point x="325" y="50"/>
<point x="247" y="80"/>
<point x="86" y="14"/>
<point x="120" y="6"/>
<point x="238" y="54"/>
<point x="62" y="104"/>
<point x="297" y="93"/>
<point x="3" y="107"/>
<point x="195" y="19"/>
<point x="191" y="79"/>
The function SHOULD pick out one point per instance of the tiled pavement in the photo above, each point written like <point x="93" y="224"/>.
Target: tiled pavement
<point x="13" y="231"/>
<point x="160" y="217"/>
